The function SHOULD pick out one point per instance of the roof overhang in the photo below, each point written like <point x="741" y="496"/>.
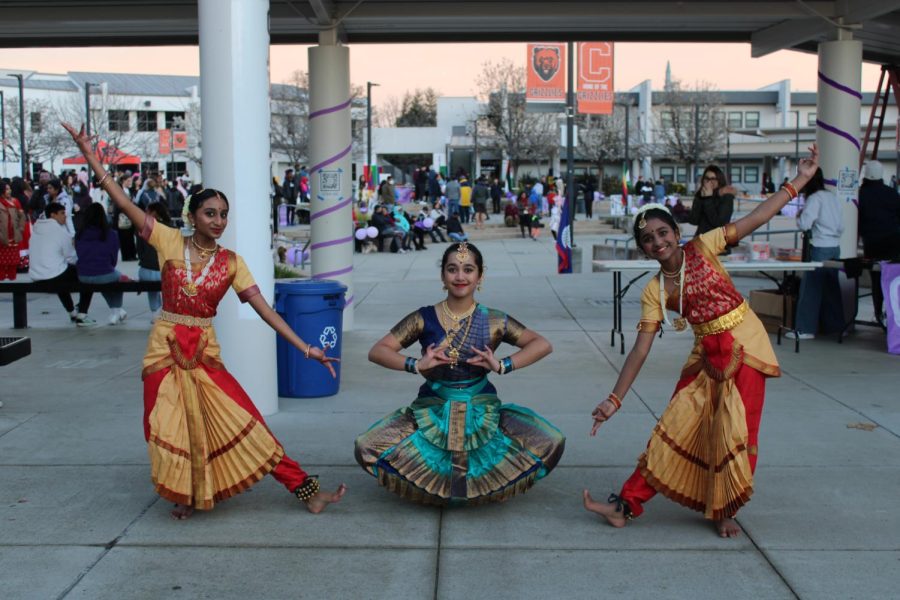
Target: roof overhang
<point x="769" y="25"/>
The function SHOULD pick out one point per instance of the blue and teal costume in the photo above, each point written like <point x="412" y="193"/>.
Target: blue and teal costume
<point x="456" y="443"/>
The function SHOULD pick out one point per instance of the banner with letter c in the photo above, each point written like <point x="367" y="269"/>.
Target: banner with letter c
<point x="595" y="78"/>
<point x="546" y="68"/>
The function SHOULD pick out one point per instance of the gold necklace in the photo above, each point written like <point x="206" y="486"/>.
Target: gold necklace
<point x="677" y="272"/>
<point x="455" y="319"/>
<point x="453" y="351"/>
<point x="203" y="252"/>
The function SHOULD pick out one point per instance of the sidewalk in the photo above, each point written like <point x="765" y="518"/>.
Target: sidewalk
<point x="79" y="517"/>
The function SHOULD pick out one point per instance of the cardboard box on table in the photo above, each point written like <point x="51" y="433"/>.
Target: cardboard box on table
<point x="769" y="307"/>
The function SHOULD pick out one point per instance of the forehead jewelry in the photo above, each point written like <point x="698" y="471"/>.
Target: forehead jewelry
<point x="462" y="252"/>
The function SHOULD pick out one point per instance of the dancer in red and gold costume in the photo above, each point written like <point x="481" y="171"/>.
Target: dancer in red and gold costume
<point x="703" y="451"/>
<point x="206" y="439"/>
<point x="14" y="232"/>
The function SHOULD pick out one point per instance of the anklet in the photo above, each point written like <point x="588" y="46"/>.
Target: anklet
<point x="621" y="506"/>
<point x="308" y="489"/>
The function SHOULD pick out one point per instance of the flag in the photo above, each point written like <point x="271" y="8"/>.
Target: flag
<point x="509" y="178"/>
<point x="625" y="178"/>
<point x="564" y="241"/>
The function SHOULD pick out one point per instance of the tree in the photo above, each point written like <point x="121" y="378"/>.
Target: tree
<point x="689" y="126"/>
<point x="418" y="109"/>
<point x="45" y="140"/>
<point x="110" y="121"/>
<point x="516" y="133"/>
<point x="387" y="113"/>
<point x="289" y="130"/>
<point x="601" y="138"/>
<point x="190" y="124"/>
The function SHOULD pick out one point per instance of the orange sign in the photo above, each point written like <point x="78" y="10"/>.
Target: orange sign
<point x="165" y="141"/>
<point x="595" y="78"/>
<point x="172" y="140"/>
<point x="179" y="140"/>
<point x="546" y="73"/>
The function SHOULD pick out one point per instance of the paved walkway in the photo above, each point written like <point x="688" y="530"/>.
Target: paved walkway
<point x="79" y="518"/>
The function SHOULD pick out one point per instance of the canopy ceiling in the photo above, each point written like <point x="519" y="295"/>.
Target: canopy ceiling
<point x="769" y="25"/>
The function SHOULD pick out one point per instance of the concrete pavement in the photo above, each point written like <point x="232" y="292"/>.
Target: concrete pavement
<point x="79" y="518"/>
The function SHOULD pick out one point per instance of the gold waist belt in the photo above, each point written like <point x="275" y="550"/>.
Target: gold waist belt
<point x="729" y="320"/>
<point x="185" y="319"/>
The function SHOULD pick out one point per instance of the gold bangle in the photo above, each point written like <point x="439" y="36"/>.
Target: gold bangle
<point x="102" y="179"/>
<point x="308" y="348"/>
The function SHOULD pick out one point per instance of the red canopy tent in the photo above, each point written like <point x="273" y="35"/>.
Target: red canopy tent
<point x="106" y="154"/>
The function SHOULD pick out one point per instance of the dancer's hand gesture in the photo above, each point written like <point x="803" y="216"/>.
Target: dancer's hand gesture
<point x="80" y="138"/>
<point x="316" y="353"/>
<point x="484" y="358"/>
<point x="601" y="414"/>
<point x="807" y="166"/>
<point x="433" y="357"/>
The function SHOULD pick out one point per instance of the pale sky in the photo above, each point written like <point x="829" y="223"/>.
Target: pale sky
<point x="451" y="68"/>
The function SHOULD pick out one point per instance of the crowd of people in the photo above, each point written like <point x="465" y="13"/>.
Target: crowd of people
<point x="65" y="228"/>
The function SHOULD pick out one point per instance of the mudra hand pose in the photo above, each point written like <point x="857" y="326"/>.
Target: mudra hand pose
<point x="703" y="451"/>
<point x="456" y="443"/>
<point x="206" y="439"/>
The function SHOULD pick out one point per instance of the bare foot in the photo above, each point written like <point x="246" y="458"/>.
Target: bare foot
<point x="182" y="512"/>
<point x="320" y="501"/>
<point x="728" y="528"/>
<point x="607" y="511"/>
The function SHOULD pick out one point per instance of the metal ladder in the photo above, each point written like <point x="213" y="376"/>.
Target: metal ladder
<point x="891" y="73"/>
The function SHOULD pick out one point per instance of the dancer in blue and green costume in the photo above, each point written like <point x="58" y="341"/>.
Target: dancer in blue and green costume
<point x="456" y="443"/>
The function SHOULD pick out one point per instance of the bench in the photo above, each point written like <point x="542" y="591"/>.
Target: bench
<point x="20" y="291"/>
<point x="13" y="348"/>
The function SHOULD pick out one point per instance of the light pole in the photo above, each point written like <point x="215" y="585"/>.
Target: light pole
<point x="22" y="149"/>
<point x="369" y="86"/>
<point x="87" y="115"/>
<point x="3" y="125"/>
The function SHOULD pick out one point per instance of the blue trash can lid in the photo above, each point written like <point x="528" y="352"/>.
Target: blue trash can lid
<point x="310" y="287"/>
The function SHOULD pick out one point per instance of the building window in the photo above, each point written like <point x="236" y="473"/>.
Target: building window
<point x="751" y="119"/>
<point x="667" y="173"/>
<point x="735" y="119"/>
<point x="146" y="120"/>
<point x="175" y="169"/>
<point x="811" y="119"/>
<point x="667" y="119"/>
<point x="681" y="175"/>
<point x="735" y="174"/>
<point x="36" y="122"/>
<point x="118" y="120"/>
<point x="174" y="119"/>
<point x="751" y="174"/>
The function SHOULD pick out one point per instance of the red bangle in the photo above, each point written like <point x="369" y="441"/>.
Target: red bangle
<point x="790" y="189"/>
<point x="615" y="400"/>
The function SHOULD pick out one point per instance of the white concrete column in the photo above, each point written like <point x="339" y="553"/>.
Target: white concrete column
<point x="837" y="128"/>
<point x="330" y="142"/>
<point x="234" y="87"/>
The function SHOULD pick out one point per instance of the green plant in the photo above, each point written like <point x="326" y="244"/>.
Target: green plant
<point x="283" y="272"/>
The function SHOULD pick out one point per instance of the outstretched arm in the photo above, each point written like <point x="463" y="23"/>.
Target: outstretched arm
<point x="774" y="203"/>
<point x="627" y="375"/>
<point x="116" y="193"/>
<point x="274" y="320"/>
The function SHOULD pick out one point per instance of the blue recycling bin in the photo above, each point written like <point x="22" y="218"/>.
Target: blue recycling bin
<point x="315" y="310"/>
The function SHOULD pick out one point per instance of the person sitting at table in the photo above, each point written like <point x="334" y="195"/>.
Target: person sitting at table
<point x="820" y="290"/>
<point x="702" y="452"/>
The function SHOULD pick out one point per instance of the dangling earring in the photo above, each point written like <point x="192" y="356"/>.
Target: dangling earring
<point x="479" y="285"/>
<point x="444" y="287"/>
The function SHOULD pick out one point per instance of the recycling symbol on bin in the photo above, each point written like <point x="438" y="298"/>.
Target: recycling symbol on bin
<point x="328" y="339"/>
